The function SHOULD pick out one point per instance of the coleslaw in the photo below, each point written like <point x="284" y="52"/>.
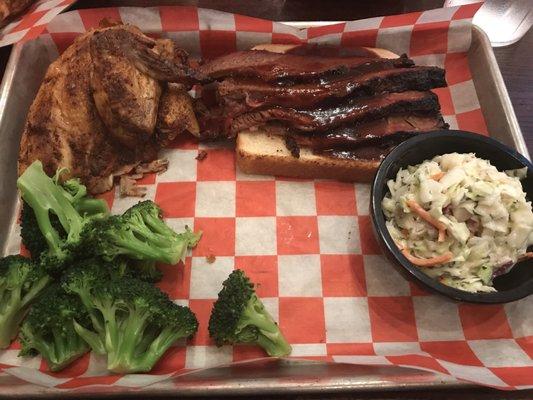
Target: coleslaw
<point x="459" y="219"/>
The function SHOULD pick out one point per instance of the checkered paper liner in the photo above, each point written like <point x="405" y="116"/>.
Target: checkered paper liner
<point x="33" y="21"/>
<point x="308" y="244"/>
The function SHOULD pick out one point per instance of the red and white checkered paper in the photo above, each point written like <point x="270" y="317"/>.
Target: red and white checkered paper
<point x="33" y="21"/>
<point x="308" y="244"/>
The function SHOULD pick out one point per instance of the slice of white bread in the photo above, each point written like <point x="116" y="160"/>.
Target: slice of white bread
<point x="262" y="153"/>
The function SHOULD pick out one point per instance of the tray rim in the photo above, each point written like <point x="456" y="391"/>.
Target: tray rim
<point x="263" y="386"/>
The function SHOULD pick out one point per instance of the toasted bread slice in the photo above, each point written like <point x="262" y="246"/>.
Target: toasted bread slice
<point x="266" y="154"/>
<point x="262" y="153"/>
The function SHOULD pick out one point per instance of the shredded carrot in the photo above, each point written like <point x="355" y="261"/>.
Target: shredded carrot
<point x="427" y="262"/>
<point x="417" y="208"/>
<point x="438" y="176"/>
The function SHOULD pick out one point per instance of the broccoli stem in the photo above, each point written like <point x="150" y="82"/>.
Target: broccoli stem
<point x="124" y="358"/>
<point x="91" y="338"/>
<point x="61" y="351"/>
<point x="43" y="195"/>
<point x="111" y="329"/>
<point x="88" y="206"/>
<point x="158" y="226"/>
<point x="95" y="320"/>
<point x="134" y="247"/>
<point x="159" y="346"/>
<point x="13" y="311"/>
<point x="64" y="351"/>
<point x="128" y="361"/>
<point x="11" y="317"/>
<point x="274" y="344"/>
<point x="270" y="337"/>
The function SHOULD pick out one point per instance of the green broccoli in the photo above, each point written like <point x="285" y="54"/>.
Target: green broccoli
<point x="140" y="234"/>
<point x="48" y="199"/>
<point x="84" y="275"/>
<point x="49" y="328"/>
<point x="239" y="316"/>
<point x="20" y="283"/>
<point x="135" y="322"/>
<point x="144" y="270"/>
<point x="82" y="202"/>
<point x="31" y="235"/>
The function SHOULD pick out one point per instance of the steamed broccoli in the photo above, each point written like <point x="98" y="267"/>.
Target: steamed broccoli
<point x="144" y="270"/>
<point x="134" y="323"/>
<point x="49" y="328"/>
<point x="140" y="234"/>
<point x="31" y="235"/>
<point x="76" y="192"/>
<point x="84" y="275"/>
<point x="239" y="316"/>
<point x="20" y="283"/>
<point x="48" y="199"/>
<point x="82" y="202"/>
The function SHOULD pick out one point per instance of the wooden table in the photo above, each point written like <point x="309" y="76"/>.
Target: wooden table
<point x="516" y="63"/>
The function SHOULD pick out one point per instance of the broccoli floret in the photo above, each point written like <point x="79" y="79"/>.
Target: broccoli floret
<point x="140" y="234"/>
<point x="84" y="275"/>
<point x="49" y="328"/>
<point x="82" y="202"/>
<point x="76" y="192"/>
<point x="20" y="283"/>
<point x="31" y="235"/>
<point x="136" y="324"/>
<point x="239" y="316"/>
<point x="47" y="197"/>
<point x="144" y="270"/>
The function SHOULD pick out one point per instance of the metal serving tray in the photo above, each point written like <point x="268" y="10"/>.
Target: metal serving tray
<point x="24" y="72"/>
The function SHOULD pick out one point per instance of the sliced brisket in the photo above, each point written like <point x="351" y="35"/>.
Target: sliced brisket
<point x="289" y="68"/>
<point x="371" y="151"/>
<point x="352" y="110"/>
<point x="351" y="136"/>
<point x="255" y="93"/>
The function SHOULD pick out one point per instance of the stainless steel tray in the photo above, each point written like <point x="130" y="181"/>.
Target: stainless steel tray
<point x="26" y="67"/>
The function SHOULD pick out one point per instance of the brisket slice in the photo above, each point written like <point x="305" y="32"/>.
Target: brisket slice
<point x="355" y="135"/>
<point x="255" y="93"/>
<point x="369" y="151"/>
<point x="288" y="68"/>
<point x="352" y="110"/>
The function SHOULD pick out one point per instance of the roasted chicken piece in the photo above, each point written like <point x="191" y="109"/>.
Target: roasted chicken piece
<point x="175" y="109"/>
<point x="12" y="8"/>
<point x="97" y="109"/>
<point x="125" y="80"/>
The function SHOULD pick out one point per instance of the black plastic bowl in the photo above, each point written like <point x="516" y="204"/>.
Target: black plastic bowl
<point x="514" y="285"/>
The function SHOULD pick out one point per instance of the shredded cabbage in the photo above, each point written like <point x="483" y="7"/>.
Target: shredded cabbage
<point x="488" y="220"/>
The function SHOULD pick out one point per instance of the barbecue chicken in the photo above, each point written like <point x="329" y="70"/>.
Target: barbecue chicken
<point x="107" y="105"/>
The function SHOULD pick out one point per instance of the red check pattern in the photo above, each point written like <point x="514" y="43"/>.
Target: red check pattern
<point x="33" y="22"/>
<point x="307" y="244"/>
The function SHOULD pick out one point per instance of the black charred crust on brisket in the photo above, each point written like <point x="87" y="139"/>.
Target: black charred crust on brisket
<point x="292" y="146"/>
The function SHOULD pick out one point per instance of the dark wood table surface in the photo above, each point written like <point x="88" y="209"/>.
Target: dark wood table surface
<point x="515" y="61"/>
